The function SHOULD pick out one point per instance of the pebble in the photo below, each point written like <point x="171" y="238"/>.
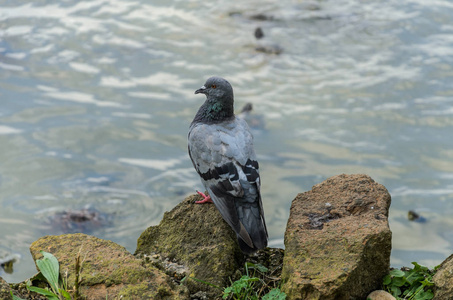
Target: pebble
<point x="380" y="295"/>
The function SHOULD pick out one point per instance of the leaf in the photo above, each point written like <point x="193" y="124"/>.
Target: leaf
<point x="427" y="282"/>
<point x="47" y="293"/>
<point x="418" y="267"/>
<point x="275" y="294"/>
<point x="398" y="281"/>
<point x="424" y="295"/>
<point x="15" y="297"/>
<point x="396" y="291"/>
<point x="429" y="295"/>
<point x="397" y="273"/>
<point x="413" y="289"/>
<point x="50" y="269"/>
<point x="226" y="292"/>
<point x="415" y="278"/>
<point x="65" y="294"/>
<point x="387" y="279"/>
<point x="258" y="267"/>
<point x="253" y="279"/>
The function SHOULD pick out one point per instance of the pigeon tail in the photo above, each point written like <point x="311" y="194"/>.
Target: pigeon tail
<point x="259" y="240"/>
<point x="256" y="231"/>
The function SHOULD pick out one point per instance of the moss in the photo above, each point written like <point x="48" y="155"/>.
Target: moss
<point x="197" y="237"/>
<point x="107" y="268"/>
<point x="137" y="290"/>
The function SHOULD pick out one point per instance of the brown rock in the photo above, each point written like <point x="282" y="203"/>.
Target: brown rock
<point x="108" y="269"/>
<point x="443" y="280"/>
<point x="195" y="237"/>
<point x="337" y="240"/>
<point x="4" y="290"/>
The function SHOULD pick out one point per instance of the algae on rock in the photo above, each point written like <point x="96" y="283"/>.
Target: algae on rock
<point x="4" y="290"/>
<point x="108" y="269"/>
<point x="197" y="237"/>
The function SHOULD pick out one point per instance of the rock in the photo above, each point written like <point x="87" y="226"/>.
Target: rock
<point x="337" y="240"/>
<point x="7" y="261"/>
<point x="4" y="290"/>
<point x="196" y="237"/>
<point x="443" y="280"/>
<point x="380" y="295"/>
<point x="20" y="290"/>
<point x="108" y="269"/>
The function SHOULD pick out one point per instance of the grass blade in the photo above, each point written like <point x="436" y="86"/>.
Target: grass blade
<point x="47" y="293"/>
<point x="15" y="297"/>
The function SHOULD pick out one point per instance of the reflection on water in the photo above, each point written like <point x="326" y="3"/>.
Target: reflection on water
<point x="97" y="97"/>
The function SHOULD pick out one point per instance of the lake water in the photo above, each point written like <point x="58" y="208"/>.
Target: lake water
<point x="97" y="96"/>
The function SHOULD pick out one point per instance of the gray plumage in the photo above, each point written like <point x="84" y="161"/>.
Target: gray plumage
<point x="221" y="150"/>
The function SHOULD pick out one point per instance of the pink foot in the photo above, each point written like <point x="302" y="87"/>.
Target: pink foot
<point x="206" y="199"/>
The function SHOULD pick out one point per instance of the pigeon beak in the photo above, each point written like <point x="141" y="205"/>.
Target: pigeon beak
<point x="201" y="90"/>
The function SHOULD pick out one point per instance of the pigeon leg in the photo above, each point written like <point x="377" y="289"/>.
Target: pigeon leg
<point x="206" y="199"/>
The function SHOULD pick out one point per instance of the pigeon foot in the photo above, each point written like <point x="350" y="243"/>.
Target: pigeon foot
<point x="206" y="199"/>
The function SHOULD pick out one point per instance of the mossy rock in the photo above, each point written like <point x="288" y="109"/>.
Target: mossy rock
<point x="197" y="237"/>
<point x="4" y="290"/>
<point x="108" y="269"/>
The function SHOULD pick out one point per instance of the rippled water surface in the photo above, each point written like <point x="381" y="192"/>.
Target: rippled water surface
<point x="97" y="96"/>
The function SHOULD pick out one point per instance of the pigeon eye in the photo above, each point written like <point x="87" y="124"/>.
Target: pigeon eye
<point x="213" y="86"/>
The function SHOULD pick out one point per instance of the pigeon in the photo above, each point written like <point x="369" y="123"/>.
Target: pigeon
<point x="221" y="149"/>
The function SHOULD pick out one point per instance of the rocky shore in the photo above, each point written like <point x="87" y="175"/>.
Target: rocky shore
<point x="337" y="246"/>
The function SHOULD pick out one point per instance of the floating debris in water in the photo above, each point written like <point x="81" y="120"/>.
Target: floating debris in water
<point x="259" y="33"/>
<point x="84" y="220"/>
<point x="415" y="217"/>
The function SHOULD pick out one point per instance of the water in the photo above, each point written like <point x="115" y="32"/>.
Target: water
<point x="97" y="96"/>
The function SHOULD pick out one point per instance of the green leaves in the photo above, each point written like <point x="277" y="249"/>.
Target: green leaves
<point x="247" y="287"/>
<point x="242" y="288"/>
<point x="50" y="295"/>
<point x="14" y="296"/>
<point x="410" y="284"/>
<point x="274" y="294"/>
<point x="50" y="269"/>
<point x="251" y="287"/>
<point x="258" y="267"/>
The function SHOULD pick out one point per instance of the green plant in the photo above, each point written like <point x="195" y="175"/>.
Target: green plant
<point x="14" y="296"/>
<point x="410" y="284"/>
<point x="50" y="269"/>
<point x="251" y="287"/>
<point x="275" y="294"/>
<point x="248" y="287"/>
<point x="242" y="289"/>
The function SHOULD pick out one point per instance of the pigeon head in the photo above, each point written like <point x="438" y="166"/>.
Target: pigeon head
<point x="218" y="88"/>
<point x="218" y="106"/>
